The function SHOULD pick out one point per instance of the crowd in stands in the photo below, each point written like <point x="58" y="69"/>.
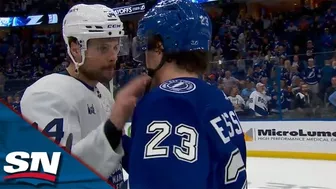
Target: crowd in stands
<point x="290" y="58"/>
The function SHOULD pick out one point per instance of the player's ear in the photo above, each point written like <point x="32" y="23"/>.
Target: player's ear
<point x="159" y="48"/>
<point x="75" y="48"/>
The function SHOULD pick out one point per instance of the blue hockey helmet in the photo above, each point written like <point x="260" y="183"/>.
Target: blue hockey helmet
<point x="182" y="25"/>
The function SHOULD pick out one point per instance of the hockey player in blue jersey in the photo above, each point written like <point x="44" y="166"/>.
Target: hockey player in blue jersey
<point x="185" y="133"/>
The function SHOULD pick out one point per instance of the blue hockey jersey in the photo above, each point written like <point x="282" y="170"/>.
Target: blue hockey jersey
<point x="186" y="135"/>
<point x="312" y="75"/>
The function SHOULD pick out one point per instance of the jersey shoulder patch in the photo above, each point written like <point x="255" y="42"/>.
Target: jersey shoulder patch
<point x="179" y="86"/>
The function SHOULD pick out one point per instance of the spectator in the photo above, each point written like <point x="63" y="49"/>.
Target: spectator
<point x="303" y="102"/>
<point x="280" y="100"/>
<point x="258" y="73"/>
<point x="327" y="41"/>
<point x="10" y="99"/>
<point x="237" y="101"/>
<point x="228" y="81"/>
<point x="310" y="50"/>
<point x="332" y="88"/>
<point x="327" y="72"/>
<point x="258" y="101"/>
<point x="312" y="76"/>
<point x="16" y="103"/>
<point x="246" y="92"/>
<point x="296" y="85"/>
<point x="293" y="73"/>
<point x="332" y="99"/>
<point x="292" y="28"/>
<point x="2" y="83"/>
<point x="298" y="63"/>
<point x="211" y="79"/>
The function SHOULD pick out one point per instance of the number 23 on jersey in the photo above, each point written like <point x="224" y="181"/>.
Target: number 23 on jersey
<point x="187" y="151"/>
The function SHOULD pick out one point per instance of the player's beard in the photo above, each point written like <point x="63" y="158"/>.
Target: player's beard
<point x="98" y="74"/>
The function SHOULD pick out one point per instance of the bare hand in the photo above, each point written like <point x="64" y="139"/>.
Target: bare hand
<point x="126" y="99"/>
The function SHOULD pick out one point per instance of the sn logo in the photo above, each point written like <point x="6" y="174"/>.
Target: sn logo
<point x="27" y="165"/>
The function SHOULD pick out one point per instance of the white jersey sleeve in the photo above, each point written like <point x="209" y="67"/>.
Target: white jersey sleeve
<point x="59" y="120"/>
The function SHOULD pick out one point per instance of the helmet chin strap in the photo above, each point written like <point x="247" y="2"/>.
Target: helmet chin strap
<point x="151" y="72"/>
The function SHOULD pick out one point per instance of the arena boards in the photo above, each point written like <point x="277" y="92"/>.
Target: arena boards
<point x="314" y="140"/>
<point x="292" y="155"/>
<point x="291" y="139"/>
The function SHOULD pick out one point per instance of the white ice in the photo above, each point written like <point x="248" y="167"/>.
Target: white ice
<point x="272" y="173"/>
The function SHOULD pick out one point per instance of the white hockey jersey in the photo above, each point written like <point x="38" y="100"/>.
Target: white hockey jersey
<point x="65" y="107"/>
<point x="258" y="103"/>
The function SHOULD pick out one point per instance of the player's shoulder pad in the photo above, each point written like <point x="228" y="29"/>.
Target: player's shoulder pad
<point x="61" y="86"/>
<point x="179" y="93"/>
<point x="160" y="102"/>
<point x="53" y="82"/>
<point x="178" y="86"/>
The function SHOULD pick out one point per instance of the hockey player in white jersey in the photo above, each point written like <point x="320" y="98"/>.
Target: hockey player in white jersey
<point x="74" y="107"/>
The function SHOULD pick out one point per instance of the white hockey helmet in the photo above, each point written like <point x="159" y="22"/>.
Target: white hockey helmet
<point x="85" y="22"/>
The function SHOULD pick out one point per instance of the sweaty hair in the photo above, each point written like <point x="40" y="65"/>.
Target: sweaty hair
<point x="191" y="61"/>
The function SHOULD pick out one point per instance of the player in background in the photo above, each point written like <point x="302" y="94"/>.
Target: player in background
<point x="74" y="107"/>
<point x="185" y="133"/>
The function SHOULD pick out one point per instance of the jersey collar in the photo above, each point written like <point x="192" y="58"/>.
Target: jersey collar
<point x="65" y="72"/>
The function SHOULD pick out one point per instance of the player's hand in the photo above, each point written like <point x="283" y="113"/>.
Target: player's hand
<point x="126" y="99"/>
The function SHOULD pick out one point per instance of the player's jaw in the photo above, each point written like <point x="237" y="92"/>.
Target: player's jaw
<point x="105" y="73"/>
<point x="98" y="70"/>
<point x="108" y="72"/>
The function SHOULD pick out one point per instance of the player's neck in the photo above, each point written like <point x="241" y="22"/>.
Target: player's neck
<point x="168" y="72"/>
<point x="72" y="72"/>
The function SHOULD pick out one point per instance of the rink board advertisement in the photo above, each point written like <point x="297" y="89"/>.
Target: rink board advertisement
<point x="31" y="160"/>
<point x="289" y="139"/>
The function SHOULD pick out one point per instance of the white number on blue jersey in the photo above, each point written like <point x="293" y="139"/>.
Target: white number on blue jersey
<point x="234" y="166"/>
<point x="188" y="149"/>
<point x="152" y="148"/>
